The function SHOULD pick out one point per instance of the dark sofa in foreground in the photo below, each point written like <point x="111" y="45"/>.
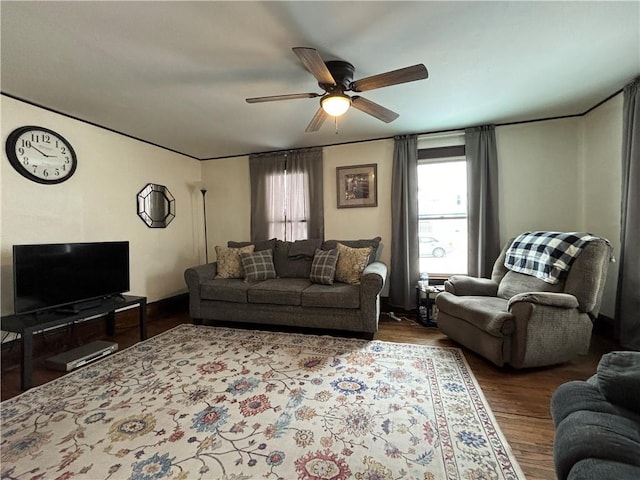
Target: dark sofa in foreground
<point x="598" y="422"/>
<point x="292" y="298"/>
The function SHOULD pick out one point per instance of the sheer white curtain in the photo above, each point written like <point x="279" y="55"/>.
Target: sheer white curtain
<point x="287" y="195"/>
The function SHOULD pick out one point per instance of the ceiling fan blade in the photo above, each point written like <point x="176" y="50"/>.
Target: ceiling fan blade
<point x="313" y="62"/>
<point x="275" y="98"/>
<point x="317" y="121"/>
<point x="403" y="75"/>
<point x="373" y="109"/>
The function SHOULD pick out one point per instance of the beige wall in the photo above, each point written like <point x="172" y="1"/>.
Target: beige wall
<point x="228" y="201"/>
<point x="538" y="167"/>
<point x="557" y="175"/>
<point x="564" y="175"/>
<point x="554" y="175"/>
<point x="98" y="203"/>
<point x="229" y="204"/>
<point x="601" y="188"/>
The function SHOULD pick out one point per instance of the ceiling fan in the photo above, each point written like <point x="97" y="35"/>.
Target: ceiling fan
<point x="335" y="78"/>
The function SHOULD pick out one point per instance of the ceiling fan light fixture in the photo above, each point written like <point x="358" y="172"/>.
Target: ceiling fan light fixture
<point x="335" y="104"/>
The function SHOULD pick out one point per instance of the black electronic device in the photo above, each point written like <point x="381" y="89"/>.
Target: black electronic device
<point x="68" y="276"/>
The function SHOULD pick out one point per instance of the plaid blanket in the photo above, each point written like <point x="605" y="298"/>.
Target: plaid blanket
<point x="546" y="255"/>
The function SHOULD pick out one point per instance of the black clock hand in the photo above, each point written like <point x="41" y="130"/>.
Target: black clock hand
<point x="38" y="150"/>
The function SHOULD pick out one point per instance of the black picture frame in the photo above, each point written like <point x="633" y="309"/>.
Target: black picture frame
<point x="357" y="186"/>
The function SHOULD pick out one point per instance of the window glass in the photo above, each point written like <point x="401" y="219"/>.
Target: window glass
<point x="287" y="212"/>
<point x="442" y="215"/>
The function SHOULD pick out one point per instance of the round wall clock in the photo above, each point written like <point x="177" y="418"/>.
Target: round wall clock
<point x="41" y="155"/>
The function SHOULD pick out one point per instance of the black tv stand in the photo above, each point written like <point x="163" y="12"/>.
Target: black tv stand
<point x="80" y="306"/>
<point x="28" y="324"/>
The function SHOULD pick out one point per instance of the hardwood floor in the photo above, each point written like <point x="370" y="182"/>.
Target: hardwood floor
<point x="519" y="399"/>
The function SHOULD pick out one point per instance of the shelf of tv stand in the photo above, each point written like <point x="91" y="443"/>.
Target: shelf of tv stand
<point x="28" y="324"/>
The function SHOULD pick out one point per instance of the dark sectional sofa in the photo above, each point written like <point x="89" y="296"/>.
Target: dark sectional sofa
<point x="598" y="422"/>
<point x="292" y="298"/>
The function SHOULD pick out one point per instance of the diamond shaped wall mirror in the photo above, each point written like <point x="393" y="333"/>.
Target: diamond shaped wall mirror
<point x="156" y="206"/>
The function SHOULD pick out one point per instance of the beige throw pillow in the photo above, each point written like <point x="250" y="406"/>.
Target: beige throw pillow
<point x="229" y="263"/>
<point x="351" y="263"/>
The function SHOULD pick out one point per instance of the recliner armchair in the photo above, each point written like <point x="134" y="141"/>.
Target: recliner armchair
<point x="523" y="321"/>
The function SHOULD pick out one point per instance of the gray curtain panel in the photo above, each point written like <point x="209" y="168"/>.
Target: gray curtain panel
<point x="305" y="185"/>
<point x="303" y="205"/>
<point x="628" y="295"/>
<point x="404" y="223"/>
<point x="482" y="185"/>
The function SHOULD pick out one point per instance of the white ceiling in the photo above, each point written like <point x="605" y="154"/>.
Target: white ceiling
<point x="176" y="74"/>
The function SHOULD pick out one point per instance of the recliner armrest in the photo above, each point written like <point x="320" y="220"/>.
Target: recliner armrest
<point x="461" y="285"/>
<point x="560" y="300"/>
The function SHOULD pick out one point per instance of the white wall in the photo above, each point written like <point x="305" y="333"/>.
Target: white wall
<point x="98" y="203"/>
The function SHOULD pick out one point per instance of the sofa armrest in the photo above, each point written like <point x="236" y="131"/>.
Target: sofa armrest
<point x="374" y="276"/>
<point x="194" y="276"/>
<point x="461" y="285"/>
<point x="559" y="300"/>
<point x="371" y="284"/>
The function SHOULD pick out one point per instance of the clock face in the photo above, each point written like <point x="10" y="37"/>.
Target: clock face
<point x="41" y="155"/>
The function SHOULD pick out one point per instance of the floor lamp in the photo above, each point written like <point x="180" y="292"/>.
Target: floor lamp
<point x="204" y="210"/>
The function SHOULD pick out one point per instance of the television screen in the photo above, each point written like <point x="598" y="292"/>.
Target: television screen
<point x="52" y="276"/>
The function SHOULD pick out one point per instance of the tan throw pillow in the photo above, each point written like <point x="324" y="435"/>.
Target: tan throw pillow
<point x="229" y="263"/>
<point x="351" y="263"/>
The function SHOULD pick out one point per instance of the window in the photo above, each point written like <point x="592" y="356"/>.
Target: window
<point x="286" y="195"/>
<point x="288" y="212"/>
<point x="442" y="210"/>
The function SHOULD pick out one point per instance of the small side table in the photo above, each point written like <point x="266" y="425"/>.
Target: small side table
<point x="425" y="295"/>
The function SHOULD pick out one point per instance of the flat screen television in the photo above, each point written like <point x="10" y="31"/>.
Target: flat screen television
<point x="69" y="276"/>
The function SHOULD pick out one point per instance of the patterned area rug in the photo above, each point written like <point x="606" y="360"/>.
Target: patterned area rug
<point x="201" y="402"/>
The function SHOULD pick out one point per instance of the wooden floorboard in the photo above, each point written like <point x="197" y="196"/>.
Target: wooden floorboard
<point x="519" y="399"/>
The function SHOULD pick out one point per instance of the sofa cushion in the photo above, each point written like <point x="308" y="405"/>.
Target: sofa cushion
<point x="304" y="248"/>
<point x="278" y="291"/>
<point x="323" y="268"/>
<point x="225" y="290"/>
<point x="290" y="267"/>
<point x="258" y="266"/>
<point x="338" y="295"/>
<point x="486" y="313"/>
<point x="351" y="263"/>
<point x="228" y="261"/>
<point x="585" y="434"/>
<point x="619" y="379"/>
<point x="259" y="245"/>
<point x="513" y="283"/>
<point x="373" y="243"/>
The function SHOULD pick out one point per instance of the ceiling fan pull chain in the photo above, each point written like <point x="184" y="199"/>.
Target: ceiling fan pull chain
<point x="335" y="119"/>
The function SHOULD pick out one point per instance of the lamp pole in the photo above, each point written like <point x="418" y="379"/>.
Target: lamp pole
<point x="204" y="213"/>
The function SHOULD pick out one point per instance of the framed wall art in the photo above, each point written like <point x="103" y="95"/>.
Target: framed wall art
<point x="357" y="186"/>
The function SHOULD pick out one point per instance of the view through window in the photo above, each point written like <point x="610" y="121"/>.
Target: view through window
<point x="442" y="215"/>
<point x="287" y="220"/>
